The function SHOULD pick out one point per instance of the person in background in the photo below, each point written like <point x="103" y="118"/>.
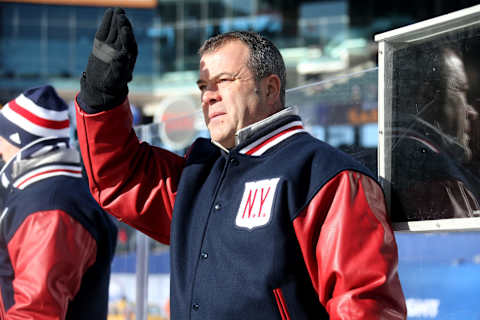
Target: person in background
<point x="431" y="136"/>
<point x="56" y="243"/>
<point x="264" y="221"/>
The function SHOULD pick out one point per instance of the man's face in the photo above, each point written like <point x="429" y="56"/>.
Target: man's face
<point x="457" y="112"/>
<point x="7" y="150"/>
<point x="2" y="150"/>
<point x="231" y="98"/>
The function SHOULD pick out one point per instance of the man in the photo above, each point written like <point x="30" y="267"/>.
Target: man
<point x="263" y="221"/>
<point x="431" y="137"/>
<point x="56" y="244"/>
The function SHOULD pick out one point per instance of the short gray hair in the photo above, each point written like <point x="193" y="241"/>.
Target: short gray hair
<point x="265" y="58"/>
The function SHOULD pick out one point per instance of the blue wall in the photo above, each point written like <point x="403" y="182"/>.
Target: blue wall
<point x="440" y="274"/>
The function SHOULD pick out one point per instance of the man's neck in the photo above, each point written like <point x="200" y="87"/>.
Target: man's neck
<point x="245" y="133"/>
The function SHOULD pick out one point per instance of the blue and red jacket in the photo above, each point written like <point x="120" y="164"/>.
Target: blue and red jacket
<point x="282" y="226"/>
<point x="56" y="244"/>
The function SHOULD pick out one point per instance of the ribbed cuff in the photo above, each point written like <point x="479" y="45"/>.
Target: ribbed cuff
<point x="85" y="107"/>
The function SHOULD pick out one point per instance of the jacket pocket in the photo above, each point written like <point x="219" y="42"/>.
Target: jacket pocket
<point x="281" y="304"/>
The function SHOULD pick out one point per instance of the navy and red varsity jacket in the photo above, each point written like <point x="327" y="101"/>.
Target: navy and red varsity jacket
<point x="282" y="226"/>
<point x="56" y="244"/>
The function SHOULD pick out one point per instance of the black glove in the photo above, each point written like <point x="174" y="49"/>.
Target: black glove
<point x="110" y="65"/>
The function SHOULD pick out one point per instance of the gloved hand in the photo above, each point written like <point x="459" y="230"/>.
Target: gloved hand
<point x="110" y="65"/>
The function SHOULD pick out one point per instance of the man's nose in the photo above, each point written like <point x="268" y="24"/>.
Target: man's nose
<point x="210" y="96"/>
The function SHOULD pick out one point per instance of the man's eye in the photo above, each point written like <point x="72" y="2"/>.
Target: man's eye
<point x="202" y="87"/>
<point x="224" y="80"/>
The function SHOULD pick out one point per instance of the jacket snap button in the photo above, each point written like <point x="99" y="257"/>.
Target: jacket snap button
<point x="234" y="161"/>
<point x="196" y="306"/>
<point x="204" y="255"/>
<point x="218" y="206"/>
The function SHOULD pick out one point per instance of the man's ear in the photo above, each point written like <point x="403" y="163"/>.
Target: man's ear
<point x="272" y="86"/>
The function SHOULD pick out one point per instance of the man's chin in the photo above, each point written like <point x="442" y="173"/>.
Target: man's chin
<point x="222" y="138"/>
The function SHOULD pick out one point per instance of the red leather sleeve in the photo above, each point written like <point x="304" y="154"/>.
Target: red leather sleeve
<point x="133" y="181"/>
<point x="49" y="253"/>
<point x="350" y="250"/>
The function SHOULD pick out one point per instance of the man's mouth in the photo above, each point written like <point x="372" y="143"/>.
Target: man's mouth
<point x="214" y="115"/>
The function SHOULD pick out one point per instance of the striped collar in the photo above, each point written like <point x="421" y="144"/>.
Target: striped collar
<point x="47" y="171"/>
<point x="270" y="140"/>
<point x="261" y="136"/>
<point x="39" y="161"/>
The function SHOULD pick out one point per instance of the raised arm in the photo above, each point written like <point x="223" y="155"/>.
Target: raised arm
<point x="133" y="181"/>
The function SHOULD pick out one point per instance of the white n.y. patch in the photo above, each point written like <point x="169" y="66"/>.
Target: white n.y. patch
<point x="256" y="206"/>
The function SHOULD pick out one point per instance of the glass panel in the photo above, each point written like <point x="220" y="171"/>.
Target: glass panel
<point x="216" y="9"/>
<point x="193" y="38"/>
<point x="83" y="45"/>
<point x="320" y="22"/>
<point x="26" y="31"/>
<point x="29" y="14"/>
<point x="89" y="15"/>
<point x="167" y="12"/>
<point x="346" y="108"/>
<point x="434" y="153"/>
<point x="166" y="42"/>
<point x="192" y="11"/>
<point x="242" y="8"/>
